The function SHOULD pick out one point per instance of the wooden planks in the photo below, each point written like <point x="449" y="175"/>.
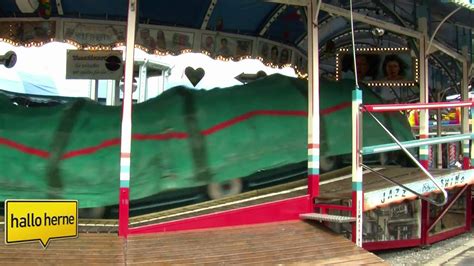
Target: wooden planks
<point x="292" y="242"/>
<point x="87" y="249"/>
<point x="286" y="242"/>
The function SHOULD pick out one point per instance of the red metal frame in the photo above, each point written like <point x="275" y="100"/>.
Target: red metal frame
<point x="469" y="207"/>
<point x="446" y="207"/>
<point x="325" y="207"/>
<point x="282" y="210"/>
<point x="445" y="235"/>
<point x="392" y="244"/>
<point x="425" y="238"/>
<point x="415" y="106"/>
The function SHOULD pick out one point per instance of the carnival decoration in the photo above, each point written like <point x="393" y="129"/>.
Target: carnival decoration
<point x="44" y="9"/>
<point x="194" y="75"/>
<point x="381" y="67"/>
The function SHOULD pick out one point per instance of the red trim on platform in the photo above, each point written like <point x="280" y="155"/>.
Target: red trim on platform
<point x="445" y="235"/>
<point x="283" y="210"/>
<point x="392" y="244"/>
<point x="23" y="148"/>
<point x="124" y="212"/>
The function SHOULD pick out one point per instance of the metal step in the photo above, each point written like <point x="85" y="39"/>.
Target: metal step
<point x="327" y="218"/>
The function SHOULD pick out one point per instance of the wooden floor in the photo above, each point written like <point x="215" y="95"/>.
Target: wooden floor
<point x="277" y="243"/>
<point x="87" y="249"/>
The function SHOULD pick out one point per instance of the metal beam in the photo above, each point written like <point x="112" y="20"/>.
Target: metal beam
<point x="371" y="21"/>
<point x="443" y="48"/>
<point x="415" y="143"/>
<point x="59" y="7"/>
<point x="290" y="2"/>
<point x="272" y="19"/>
<point x="207" y="17"/>
<point x="447" y="207"/>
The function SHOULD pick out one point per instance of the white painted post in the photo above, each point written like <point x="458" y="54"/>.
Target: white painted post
<point x="424" y="94"/>
<point x="465" y="110"/>
<point x="126" y="139"/>
<point x="93" y="89"/>
<point x="357" y="159"/>
<point x="313" y="103"/>
<point x="143" y="82"/>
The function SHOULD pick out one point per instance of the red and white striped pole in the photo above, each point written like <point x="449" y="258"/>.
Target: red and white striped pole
<point x="424" y="94"/>
<point x="126" y="137"/>
<point x="465" y="111"/>
<point x="313" y="104"/>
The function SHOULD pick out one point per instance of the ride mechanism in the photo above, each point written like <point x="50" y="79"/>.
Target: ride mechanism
<point x="317" y="211"/>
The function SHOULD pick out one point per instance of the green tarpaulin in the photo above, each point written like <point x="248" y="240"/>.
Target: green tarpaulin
<point x="183" y="138"/>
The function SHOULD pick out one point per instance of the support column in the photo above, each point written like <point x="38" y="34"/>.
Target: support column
<point x="357" y="194"/>
<point x="465" y="110"/>
<point x="112" y="93"/>
<point x="313" y="103"/>
<point x="357" y="159"/>
<point x="93" y="89"/>
<point x="424" y="98"/>
<point x="439" y="153"/>
<point x="126" y="139"/>
<point x="471" y="122"/>
<point x="142" y="83"/>
<point x="424" y="115"/>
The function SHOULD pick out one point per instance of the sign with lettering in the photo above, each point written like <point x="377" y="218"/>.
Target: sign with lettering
<point x="395" y="194"/>
<point x="85" y="64"/>
<point x="43" y="220"/>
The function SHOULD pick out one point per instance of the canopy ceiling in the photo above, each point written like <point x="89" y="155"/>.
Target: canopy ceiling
<point x="276" y="21"/>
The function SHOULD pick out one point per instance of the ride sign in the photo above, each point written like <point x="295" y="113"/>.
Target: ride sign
<point x="85" y="64"/>
<point x="43" y="220"/>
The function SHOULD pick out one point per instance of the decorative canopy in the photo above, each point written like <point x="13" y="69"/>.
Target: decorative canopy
<point x="272" y="30"/>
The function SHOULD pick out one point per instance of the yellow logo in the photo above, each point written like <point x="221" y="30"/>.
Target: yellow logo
<point x="30" y="220"/>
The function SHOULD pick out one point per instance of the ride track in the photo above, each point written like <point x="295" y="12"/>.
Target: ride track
<point x="197" y="139"/>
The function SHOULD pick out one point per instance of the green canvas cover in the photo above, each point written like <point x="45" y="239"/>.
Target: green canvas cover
<point x="183" y="138"/>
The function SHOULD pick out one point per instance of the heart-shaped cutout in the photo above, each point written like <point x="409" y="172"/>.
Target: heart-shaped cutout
<point x="194" y="75"/>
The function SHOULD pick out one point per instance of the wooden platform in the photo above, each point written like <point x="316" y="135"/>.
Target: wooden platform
<point x="293" y="242"/>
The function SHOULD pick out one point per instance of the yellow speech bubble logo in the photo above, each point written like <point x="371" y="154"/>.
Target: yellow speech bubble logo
<point x="43" y="220"/>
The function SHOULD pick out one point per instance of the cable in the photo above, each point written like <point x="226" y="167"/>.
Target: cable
<point x="353" y="47"/>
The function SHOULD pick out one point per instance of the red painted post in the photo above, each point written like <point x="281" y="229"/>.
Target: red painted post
<point x="126" y="136"/>
<point x="466" y="162"/>
<point x="469" y="206"/>
<point x="124" y="212"/>
<point x="425" y="222"/>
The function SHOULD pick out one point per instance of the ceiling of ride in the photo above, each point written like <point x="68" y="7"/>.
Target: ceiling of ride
<point x="282" y="23"/>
